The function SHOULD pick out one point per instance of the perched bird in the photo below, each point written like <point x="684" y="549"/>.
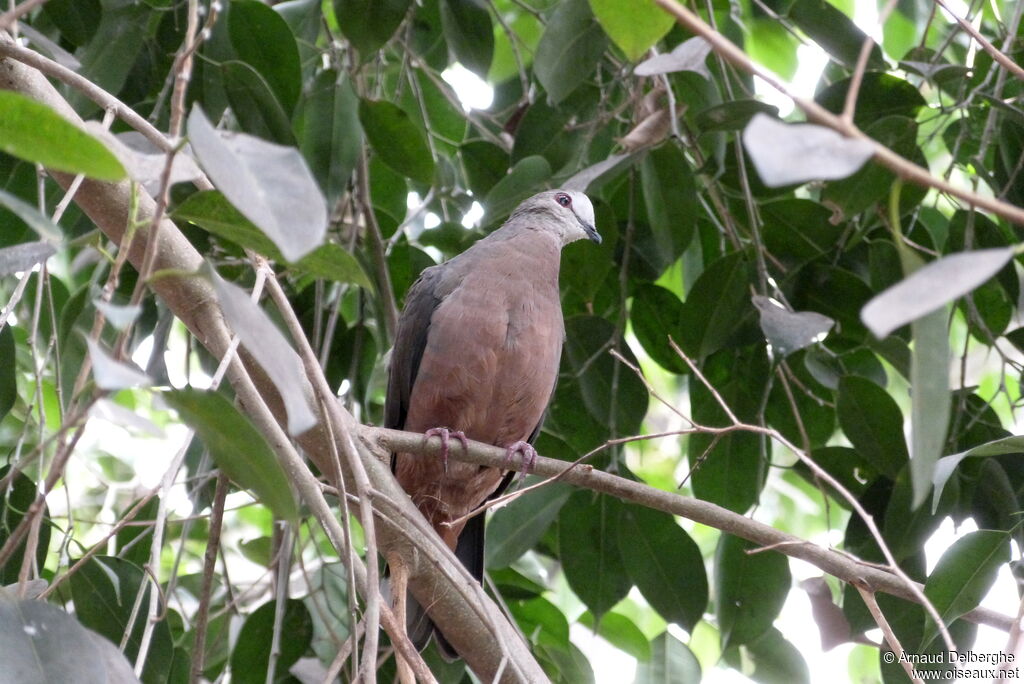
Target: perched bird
<point x="476" y="356"/>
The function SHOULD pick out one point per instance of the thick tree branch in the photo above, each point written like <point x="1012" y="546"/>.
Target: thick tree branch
<point x="840" y="565"/>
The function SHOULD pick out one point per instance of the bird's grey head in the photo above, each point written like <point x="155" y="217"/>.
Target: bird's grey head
<point x="566" y="213"/>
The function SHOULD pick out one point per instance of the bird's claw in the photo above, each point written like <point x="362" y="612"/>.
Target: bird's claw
<point x="528" y="454"/>
<point x="446" y="435"/>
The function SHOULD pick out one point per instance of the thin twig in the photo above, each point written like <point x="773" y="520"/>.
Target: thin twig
<point x="890" y="636"/>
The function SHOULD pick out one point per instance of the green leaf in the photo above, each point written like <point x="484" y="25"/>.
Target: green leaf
<point x="262" y="39"/>
<point x="670" y="197"/>
<point x="570" y="49"/>
<point x="105" y="590"/>
<point x="588" y="339"/>
<point x="108" y="58"/>
<point x="728" y="470"/>
<point x="43" y="226"/>
<point x="774" y="659"/>
<point x="621" y="632"/>
<point x="706" y="329"/>
<point x="634" y="25"/>
<point x="330" y="136"/>
<point x="907" y="526"/>
<point x="523" y="180"/>
<point x="134" y="542"/>
<point x="251" y="656"/>
<point x="929" y="402"/>
<point x="655" y="315"/>
<point x="516" y="528"/>
<point x="963" y="576"/>
<point x="664" y="563"/>
<point x="467" y="28"/>
<point x="211" y="211"/>
<point x="253" y="102"/>
<point x="945" y="466"/>
<point x="834" y="32"/>
<point x="590" y="556"/>
<point x="32" y="131"/>
<point x="77" y="20"/>
<point x="542" y="621"/>
<point x="397" y="140"/>
<point x="880" y="95"/>
<point x="932" y="286"/>
<point x="750" y="589"/>
<point x="671" y="661"/>
<point x="8" y="375"/>
<point x="14" y="504"/>
<point x="872" y="422"/>
<point x="237" y="447"/>
<point x="368" y="24"/>
<point x="269" y="184"/>
<point x="731" y="116"/>
<point x="485" y="164"/>
<point x="39" y="642"/>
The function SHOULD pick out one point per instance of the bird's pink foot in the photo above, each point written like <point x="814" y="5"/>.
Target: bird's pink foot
<point x="446" y="436"/>
<point x="526" y="452"/>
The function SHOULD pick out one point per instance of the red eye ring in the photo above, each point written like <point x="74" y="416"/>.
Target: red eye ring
<point x="563" y="199"/>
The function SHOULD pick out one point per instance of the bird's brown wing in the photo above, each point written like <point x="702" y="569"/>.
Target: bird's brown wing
<point x="411" y="338"/>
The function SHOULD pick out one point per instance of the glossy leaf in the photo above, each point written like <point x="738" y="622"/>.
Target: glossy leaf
<point x="265" y="342"/>
<point x="211" y="211"/>
<point x="516" y="528"/>
<point x="633" y="25"/>
<point x="15" y="500"/>
<point x="269" y="184"/>
<point x="671" y="661"/>
<point x="467" y="27"/>
<point x="523" y="180"/>
<point x="251" y="655"/>
<point x="872" y="421"/>
<point x="929" y="402"/>
<point x="785" y="154"/>
<point x="393" y="135"/>
<point x="587" y="533"/>
<point x="750" y="589"/>
<point x="687" y="56"/>
<point x="657" y="315"/>
<point x="32" y="131"/>
<point x="664" y="563"/>
<point x="964" y="574"/>
<point x="790" y="331"/>
<point x="925" y="290"/>
<point x="670" y="197"/>
<point x="253" y="102"/>
<point x="262" y="39"/>
<point x="8" y="371"/>
<point x="105" y="590"/>
<point x="41" y="643"/>
<point x="43" y="226"/>
<point x="24" y="256"/>
<point x="370" y="23"/>
<point x="621" y="632"/>
<point x="833" y="31"/>
<point x="570" y="48"/>
<point x="330" y="135"/>
<point x="236" y="447"/>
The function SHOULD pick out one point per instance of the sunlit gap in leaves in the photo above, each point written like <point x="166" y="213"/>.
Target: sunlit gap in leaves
<point x="472" y="91"/>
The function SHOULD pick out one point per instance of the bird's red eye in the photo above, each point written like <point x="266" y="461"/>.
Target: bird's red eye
<point x="563" y="199"/>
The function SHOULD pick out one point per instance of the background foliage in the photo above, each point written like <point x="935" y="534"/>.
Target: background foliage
<point x="695" y="239"/>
